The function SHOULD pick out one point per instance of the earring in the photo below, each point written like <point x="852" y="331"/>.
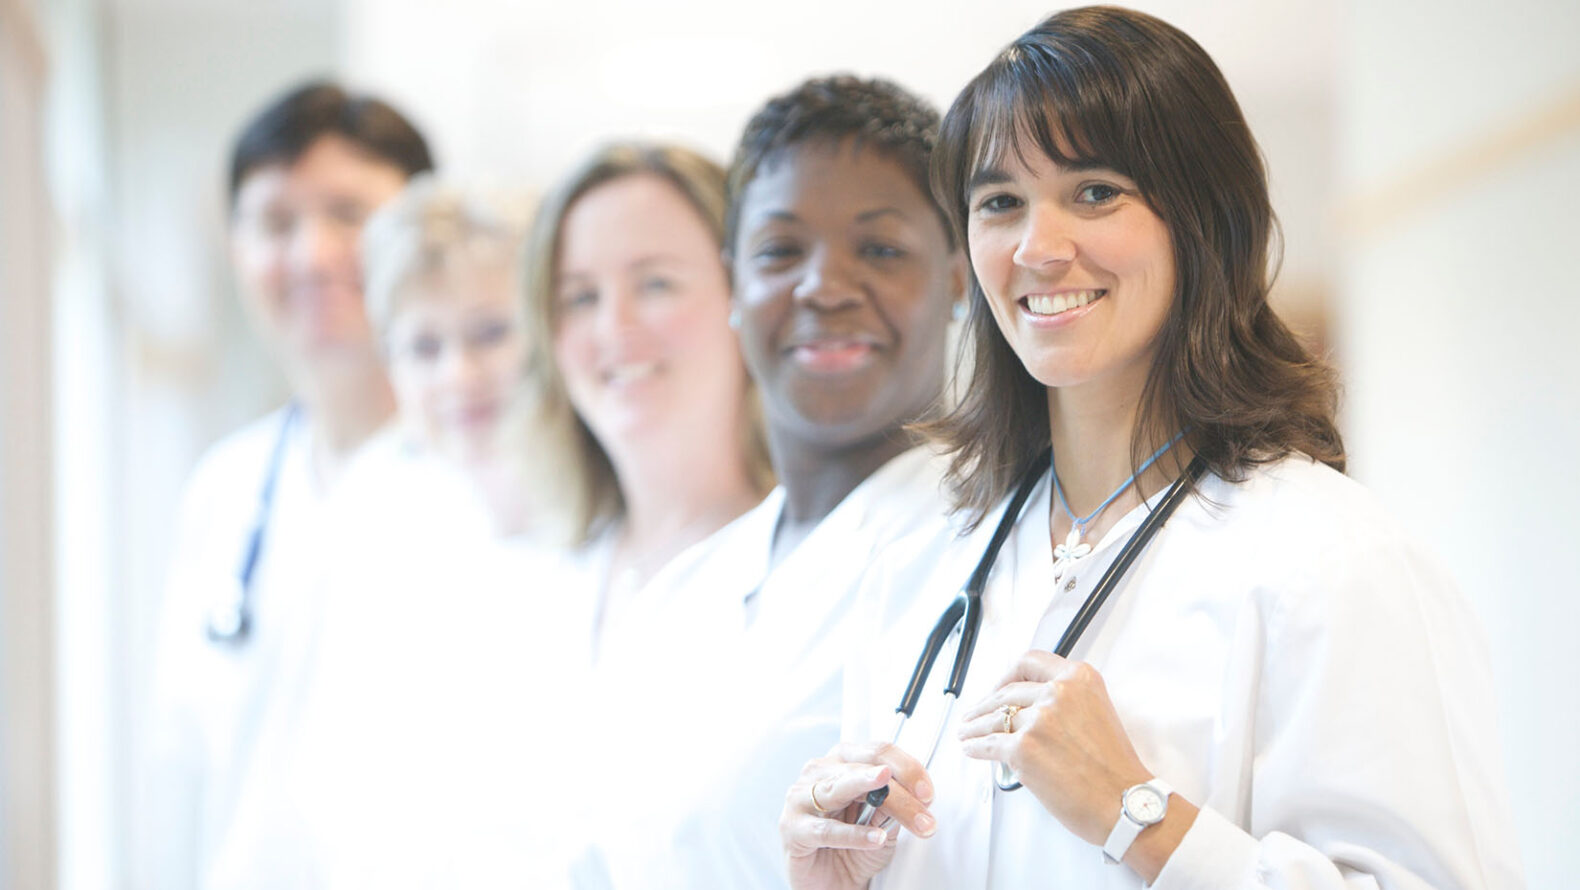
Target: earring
<point x="735" y="318"/>
<point x="959" y="310"/>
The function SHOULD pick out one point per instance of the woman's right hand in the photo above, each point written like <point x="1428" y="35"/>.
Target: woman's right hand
<point x="824" y="848"/>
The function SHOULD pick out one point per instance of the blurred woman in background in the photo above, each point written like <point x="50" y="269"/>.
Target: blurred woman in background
<point x="410" y="766"/>
<point x="628" y="302"/>
<point x="443" y="295"/>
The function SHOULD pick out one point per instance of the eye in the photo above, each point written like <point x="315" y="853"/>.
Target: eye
<point x="488" y="333"/>
<point x="776" y="252"/>
<point x="657" y="284"/>
<point x="1097" y="193"/>
<point x="880" y="250"/>
<point x="426" y="347"/>
<point x="345" y="212"/>
<point x="577" y="299"/>
<point x="275" y="223"/>
<point x="997" y="203"/>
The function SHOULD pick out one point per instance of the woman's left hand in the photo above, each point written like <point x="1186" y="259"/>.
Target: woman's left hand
<point x="1065" y="743"/>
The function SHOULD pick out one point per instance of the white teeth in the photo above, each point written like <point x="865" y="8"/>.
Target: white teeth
<point x="620" y="375"/>
<point x="1044" y="304"/>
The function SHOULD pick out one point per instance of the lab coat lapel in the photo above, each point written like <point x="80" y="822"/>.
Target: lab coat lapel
<point x="805" y="599"/>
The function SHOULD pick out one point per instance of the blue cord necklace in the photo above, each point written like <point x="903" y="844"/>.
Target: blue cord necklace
<point x="1073" y="547"/>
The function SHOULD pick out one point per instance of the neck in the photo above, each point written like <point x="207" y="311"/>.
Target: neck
<point x="676" y="497"/>
<point x="1093" y="430"/>
<point x="344" y="411"/>
<point x="503" y="486"/>
<point x="817" y="478"/>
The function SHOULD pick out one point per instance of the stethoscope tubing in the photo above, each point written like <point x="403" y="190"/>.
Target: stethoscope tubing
<point x="964" y="614"/>
<point x="231" y="622"/>
<point x="1003" y="776"/>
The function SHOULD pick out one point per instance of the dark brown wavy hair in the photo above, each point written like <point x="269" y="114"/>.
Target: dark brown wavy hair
<point x="1123" y="90"/>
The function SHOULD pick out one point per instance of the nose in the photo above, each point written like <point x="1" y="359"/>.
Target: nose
<point x="319" y="246"/>
<point x="460" y="366"/>
<point x="1046" y="239"/>
<point x="828" y="281"/>
<point x="617" y="311"/>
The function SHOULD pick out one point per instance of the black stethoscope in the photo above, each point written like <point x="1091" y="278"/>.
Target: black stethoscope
<point x="230" y="620"/>
<point x="962" y="620"/>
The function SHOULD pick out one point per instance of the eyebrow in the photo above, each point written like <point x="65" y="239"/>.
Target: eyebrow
<point x="987" y="176"/>
<point x="653" y="259"/>
<point x="876" y="212"/>
<point x="864" y="216"/>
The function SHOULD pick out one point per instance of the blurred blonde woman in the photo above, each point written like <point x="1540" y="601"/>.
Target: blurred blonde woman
<point x="408" y="766"/>
<point x="442" y="286"/>
<point x="628" y="302"/>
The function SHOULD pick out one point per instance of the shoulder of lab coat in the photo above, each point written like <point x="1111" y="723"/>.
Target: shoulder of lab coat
<point x="1375" y="737"/>
<point x="755" y="700"/>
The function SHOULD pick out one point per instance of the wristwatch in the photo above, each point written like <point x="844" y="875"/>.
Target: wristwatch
<point x="1140" y="806"/>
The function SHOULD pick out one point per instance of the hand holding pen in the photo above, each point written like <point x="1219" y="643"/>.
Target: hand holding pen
<point x="825" y="847"/>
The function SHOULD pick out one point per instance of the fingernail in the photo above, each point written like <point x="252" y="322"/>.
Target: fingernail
<point x="875" y="773"/>
<point x="925" y="825"/>
<point x="924" y="791"/>
<point x="877" y="836"/>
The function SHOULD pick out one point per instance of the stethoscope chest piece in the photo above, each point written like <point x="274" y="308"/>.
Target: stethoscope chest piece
<point x="229" y="620"/>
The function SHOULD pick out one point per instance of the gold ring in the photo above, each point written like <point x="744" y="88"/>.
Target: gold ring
<point x="817" y="806"/>
<point x="1009" y="712"/>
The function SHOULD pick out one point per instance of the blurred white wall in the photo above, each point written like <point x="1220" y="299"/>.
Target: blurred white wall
<point x="154" y="361"/>
<point x="27" y="609"/>
<point x="519" y="92"/>
<point x="1460" y="165"/>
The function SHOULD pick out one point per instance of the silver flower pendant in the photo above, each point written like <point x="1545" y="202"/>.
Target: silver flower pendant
<point x="1071" y="550"/>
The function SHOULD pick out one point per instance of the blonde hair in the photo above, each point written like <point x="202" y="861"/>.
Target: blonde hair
<point x="432" y="227"/>
<point x="701" y="182"/>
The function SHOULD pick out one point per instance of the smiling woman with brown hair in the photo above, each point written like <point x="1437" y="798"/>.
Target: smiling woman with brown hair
<point x="1274" y="688"/>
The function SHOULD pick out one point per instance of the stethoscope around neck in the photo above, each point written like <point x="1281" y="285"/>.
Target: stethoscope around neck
<point x="962" y="620"/>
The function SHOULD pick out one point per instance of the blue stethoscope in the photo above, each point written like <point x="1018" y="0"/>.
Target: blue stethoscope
<point x="230" y="620"/>
<point x="962" y="620"/>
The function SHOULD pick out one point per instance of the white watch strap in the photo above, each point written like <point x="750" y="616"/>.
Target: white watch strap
<point x="1126" y="829"/>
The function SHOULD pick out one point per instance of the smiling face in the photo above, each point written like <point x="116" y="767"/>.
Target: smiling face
<point x="1077" y="269"/>
<point x="642" y="339"/>
<point x="457" y="354"/>
<point x="845" y="280"/>
<point x="294" y="248"/>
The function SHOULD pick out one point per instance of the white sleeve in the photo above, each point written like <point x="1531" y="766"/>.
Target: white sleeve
<point x="166" y="838"/>
<point x="1376" y="759"/>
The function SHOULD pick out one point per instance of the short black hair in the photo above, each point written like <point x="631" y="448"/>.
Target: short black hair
<point x="287" y="126"/>
<point x="874" y="113"/>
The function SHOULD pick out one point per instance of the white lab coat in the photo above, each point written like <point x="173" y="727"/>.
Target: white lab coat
<point x="421" y="757"/>
<point x="1282" y="654"/>
<point x="220" y="713"/>
<point x="738" y="699"/>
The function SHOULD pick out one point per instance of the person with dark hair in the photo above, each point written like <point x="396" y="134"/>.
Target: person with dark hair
<point x="1203" y="657"/>
<point x="845" y="276"/>
<point x="241" y="606"/>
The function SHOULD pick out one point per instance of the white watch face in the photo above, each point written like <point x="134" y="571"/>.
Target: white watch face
<point x="1144" y="804"/>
